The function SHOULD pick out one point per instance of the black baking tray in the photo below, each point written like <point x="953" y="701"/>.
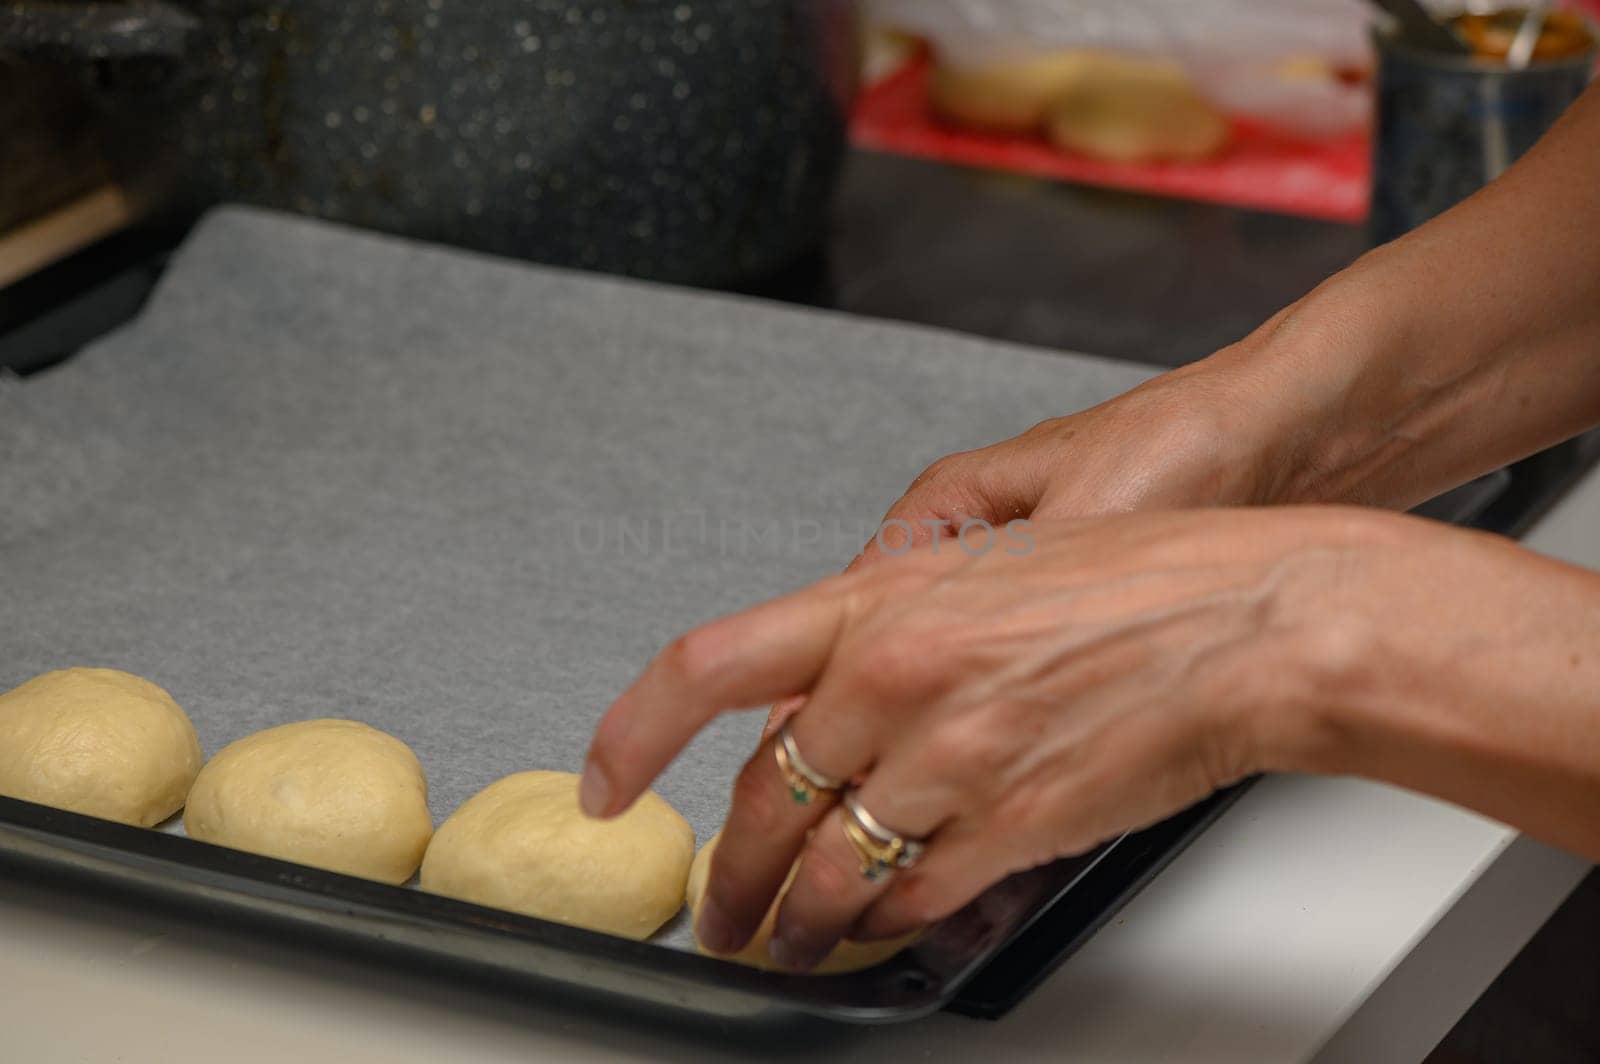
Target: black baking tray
<point x="980" y="962"/>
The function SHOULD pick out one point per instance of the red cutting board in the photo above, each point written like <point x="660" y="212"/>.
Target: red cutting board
<point x="1323" y="179"/>
<point x="1261" y="169"/>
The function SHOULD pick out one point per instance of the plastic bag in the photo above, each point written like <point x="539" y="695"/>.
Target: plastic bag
<point x="1272" y="60"/>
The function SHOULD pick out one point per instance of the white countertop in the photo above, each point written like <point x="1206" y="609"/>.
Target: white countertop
<point x="1319" y="919"/>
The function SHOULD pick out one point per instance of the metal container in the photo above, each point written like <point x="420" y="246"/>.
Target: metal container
<point x="1448" y="125"/>
<point x="684" y="140"/>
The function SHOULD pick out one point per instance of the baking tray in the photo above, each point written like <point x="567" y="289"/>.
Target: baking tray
<point x="980" y="962"/>
<point x="336" y="474"/>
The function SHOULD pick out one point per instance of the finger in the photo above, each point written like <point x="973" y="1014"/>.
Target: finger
<point x="905" y="528"/>
<point x="1127" y="778"/>
<point x="831" y="890"/>
<point x="765" y="829"/>
<point x="780" y="713"/>
<point x="927" y="777"/>
<point x="767" y="826"/>
<point x="922" y="517"/>
<point x="879" y="677"/>
<point x="867" y="686"/>
<point x="994" y="486"/>
<point x="961" y="864"/>
<point x="750" y="658"/>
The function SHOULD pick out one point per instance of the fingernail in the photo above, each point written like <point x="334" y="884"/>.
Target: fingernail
<point x="714" y="929"/>
<point x="781" y="952"/>
<point x="594" y="791"/>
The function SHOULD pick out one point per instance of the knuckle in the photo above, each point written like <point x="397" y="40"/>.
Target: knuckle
<point x="972" y="746"/>
<point x="695" y="657"/>
<point x="894" y="667"/>
<point x="1051" y="429"/>
<point x="946" y="485"/>
<point x="938" y="470"/>
<point x="1043" y="824"/>
<point x="1025" y="806"/>
<point x="944" y="756"/>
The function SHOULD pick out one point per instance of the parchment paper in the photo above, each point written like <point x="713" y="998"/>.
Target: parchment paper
<point x="334" y="474"/>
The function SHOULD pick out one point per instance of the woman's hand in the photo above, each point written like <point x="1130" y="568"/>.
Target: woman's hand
<point x="1206" y="435"/>
<point x="1180" y="441"/>
<point x="1009" y="708"/>
<point x="1016" y="708"/>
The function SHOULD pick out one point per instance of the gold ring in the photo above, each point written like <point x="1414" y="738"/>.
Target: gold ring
<point x="881" y="851"/>
<point x="803" y="781"/>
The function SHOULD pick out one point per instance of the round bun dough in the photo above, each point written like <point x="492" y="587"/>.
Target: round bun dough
<point x="522" y="844"/>
<point x="1013" y="96"/>
<point x="332" y="794"/>
<point x="97" y="741"/>
<point x="1131" y="110"/>
<point x="846" y="956"/>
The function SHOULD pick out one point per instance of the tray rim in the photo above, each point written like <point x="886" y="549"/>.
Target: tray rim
<point x="248" y="889"/>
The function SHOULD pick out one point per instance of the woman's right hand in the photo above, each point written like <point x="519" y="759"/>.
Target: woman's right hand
<point x="1179" y="441"/>
<point x="1188" y="439"/>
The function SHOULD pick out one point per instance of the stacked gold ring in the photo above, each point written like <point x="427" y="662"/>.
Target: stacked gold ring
<point x="881" y="851"/>
<point x="803" y="781"/>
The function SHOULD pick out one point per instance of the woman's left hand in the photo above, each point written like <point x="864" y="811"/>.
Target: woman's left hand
<point x="1027" y="703"/>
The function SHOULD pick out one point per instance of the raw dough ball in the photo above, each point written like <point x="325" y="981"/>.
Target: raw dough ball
<point x="846" y="956"/>
<point x="1005" y="97"/>
<point x="884" y="51"/>
<point x="1311" y="68"/>
<point x="522" y="844"/>
<point x="333" y="794"/>
<point x="97" y="741"/>
<point x="1131" y="110"/>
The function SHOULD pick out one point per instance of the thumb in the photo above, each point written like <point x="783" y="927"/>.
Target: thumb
<point x="993" y="485"/>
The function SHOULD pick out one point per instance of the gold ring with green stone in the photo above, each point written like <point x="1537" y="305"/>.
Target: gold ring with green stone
<point x="804" y="782"/>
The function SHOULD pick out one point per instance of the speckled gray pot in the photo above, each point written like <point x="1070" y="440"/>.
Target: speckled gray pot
<point x="683" y="140"/>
